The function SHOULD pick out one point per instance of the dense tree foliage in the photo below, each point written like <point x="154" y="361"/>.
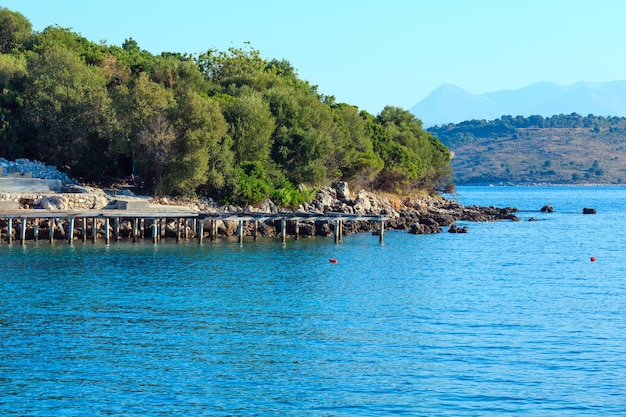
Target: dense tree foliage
<point x="226" y="124"/>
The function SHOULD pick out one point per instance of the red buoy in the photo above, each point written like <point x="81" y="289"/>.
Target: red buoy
<point x="333" y="260"/>
<point x="593" y="259"/>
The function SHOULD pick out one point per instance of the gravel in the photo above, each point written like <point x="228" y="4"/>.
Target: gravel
<point x="36" y="168"/>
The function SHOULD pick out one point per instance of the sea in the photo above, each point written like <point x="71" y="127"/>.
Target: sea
<point x="520" y="318"/>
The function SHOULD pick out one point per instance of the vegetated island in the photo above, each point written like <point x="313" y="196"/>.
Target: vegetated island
<point x="230" y="127"/>
<point x="562" y="149"/>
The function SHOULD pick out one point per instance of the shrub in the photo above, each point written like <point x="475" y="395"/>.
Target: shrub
<point x="285" y="194"/>
<point x="252" y="184"/>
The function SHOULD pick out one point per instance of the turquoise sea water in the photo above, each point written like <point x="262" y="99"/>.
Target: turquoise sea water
<point x="512" y="318"/>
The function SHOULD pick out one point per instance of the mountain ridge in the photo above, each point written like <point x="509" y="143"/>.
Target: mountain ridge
<point x="452" y="104"/>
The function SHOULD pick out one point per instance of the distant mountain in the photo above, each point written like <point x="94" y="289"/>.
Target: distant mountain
<point x="451" y="104"/>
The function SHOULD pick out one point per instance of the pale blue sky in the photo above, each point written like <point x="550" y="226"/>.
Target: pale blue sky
<point x="373" y="53"/>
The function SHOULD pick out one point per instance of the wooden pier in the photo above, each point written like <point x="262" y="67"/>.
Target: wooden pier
<point x="150" y="223"/>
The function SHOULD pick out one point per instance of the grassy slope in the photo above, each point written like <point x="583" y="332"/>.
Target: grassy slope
<point x="549" y="155"/>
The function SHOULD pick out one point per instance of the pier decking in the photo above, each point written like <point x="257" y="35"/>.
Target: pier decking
<point x="150" y="222"/>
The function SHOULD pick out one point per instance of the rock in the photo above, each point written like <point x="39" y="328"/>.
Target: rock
<point x="423" y="229"/>
<point x="227" y="227"/>
<point x="98" y="202"/>
<point x="444" y="219"/>
<point x="425" y="225"/>
<point x="362" y="203"/>
<point x="267" y="229"/>
<point x="54" y="202"/>
<point x="307" y="229"/>
<point x="455" y="229"/>
<point x="587" y="210"/>
<point x="325" y="199"/>
<point x="267" y="206"/>
<point x="343" y="192"/>
<point x="547" y="209"/>
<point x="323" y="229"/>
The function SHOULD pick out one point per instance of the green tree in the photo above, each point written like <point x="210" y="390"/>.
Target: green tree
<point x="413" y="158"/>
<point x="68" y="111"/>
<point x="15" y="29"/>
<point x="12" y="83"/>
<point x="156" y="140"/>
<point x="199" y="127"/>
<point x="251" y="125"/>
<point x="353" y="158"/>
<point x="59" y="37"/>
<point x="235" y="68"/>
<point x="133" y="57"/>
<point x="301" y="140"/>
<point x="138" y="106"/>
<point x="178" y="72"/>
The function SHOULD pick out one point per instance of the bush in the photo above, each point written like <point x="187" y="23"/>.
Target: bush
<point x="252" y="185"/>
<point x="287" y="195"/>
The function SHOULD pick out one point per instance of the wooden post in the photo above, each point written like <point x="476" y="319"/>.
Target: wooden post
<point x="84" y="229"/>
<point x="155" y="230"/>
<point x="240" y="231"/>
<point x="186" y="229"/>
<point x="36" y="230"/>
<point x="94" y="229"/>
<point x="23" y="231"/>
<point x="142" y="228"/>
<point x="135" y="228"/>
<point x="116" y="228"/>
<point x="337" y="231"/>
<point x="340" y="230"/>
<point x="107" y="232"/>
<point x="177" y="230"/>
<point x="9" y="230"/>
<point x="256" y="229"/>
<point x="200" y="230"/>
<point x="212" y="227"/>
<point x="283" y="230"/>
<point x="381" y="238"/>
<point x="297" y="229"/>
<point x="51" y="230"/>
<point x="70" y="237"/>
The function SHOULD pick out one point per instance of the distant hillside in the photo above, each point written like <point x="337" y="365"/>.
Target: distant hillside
<point x="564" y="149"/>
<point x="451" y="104"/>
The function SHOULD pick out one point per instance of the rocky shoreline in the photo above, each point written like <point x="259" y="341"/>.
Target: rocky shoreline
<point x="417" y="215"/>
<point x="420" y="214"/>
